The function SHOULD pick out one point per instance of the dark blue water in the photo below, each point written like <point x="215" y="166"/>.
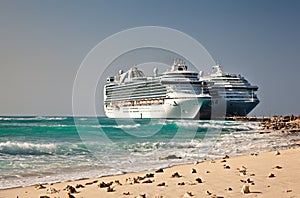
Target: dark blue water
<point x="51" y="149"/>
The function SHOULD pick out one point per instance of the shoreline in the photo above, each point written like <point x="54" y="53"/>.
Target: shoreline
<point x="223" y="177"/>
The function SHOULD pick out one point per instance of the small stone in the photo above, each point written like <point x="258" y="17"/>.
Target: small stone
<point x="209" y="193"/>
<point x="44" y="196"/>
<point x="199" y="180"/>
<point x="252" y="174"/>
<point x="277" y="167"/>
<point x="196" y="162"/>
<point x="161" y="184"/>
<point x="68" y="195"/>
<point x="226" y="157"/>
<point x="227" y="167"/>
<point x="245" y="189"/>
<point x="147" y="181"/>
<point x="158" y="196"/>
<point x="193" y="171"/>
<point x="52" y="190"/>
<point x="159" y="170"/>
<point x="188" y="194"/>
<point x="277" y="153"/>
<point x="289" y="190"/>
<point x="39" y="186"/>
<point x="271" y="175"/>
<point x="212" y="161"/>
<point x="176" y="175"/>
<point x="126" y="193"/>
<point x="110" y="189"/>
<point x="118" y="182"/>
<point x="71" y="189"/>
<point x="207" y="171"/>
<point x="79" y="186"/>
<point x="229" y="189"/>
<point x="149" y="175"/>
<point x="222" y="161"/>
<point x="142" y="195"/>
<point x="181" y="184"/>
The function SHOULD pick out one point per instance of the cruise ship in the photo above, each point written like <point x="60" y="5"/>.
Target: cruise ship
<point x="175" y="94"/>
<point x="239" y="95"/>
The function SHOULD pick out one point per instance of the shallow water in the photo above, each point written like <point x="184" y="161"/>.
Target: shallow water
<point x="51" y="149"/>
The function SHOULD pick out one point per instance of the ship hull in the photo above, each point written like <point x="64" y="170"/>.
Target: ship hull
<point x="240" y="108"/>
<point x="228" y="108"/>
<point x="184" y="108"/>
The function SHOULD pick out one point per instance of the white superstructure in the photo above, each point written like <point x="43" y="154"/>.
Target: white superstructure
<point x="176" y="94"/>
<point x="239" y="94"/>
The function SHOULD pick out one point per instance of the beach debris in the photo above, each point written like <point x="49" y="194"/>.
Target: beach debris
<point x="277" y="153"/>
<point x="136" y="180"/>
<point x="191" y="183"/>
<point x="105" y="185"/>
<point x="249" y="181"/>
<point x="289" y="190"/>
<point x="245" y="189"/>
<point x="181" y="184"/>
<point x="188" y="194"/>
<point x="196" y="162"/>
<point x="159" y="170"/>
<point x="176" y="175"/>
<point x="169" y="157"/>
<point x="126" y="193"/>
<point x="193" y="171"/>
<point x="271" y="175"/>
<point x="79" y="186"/>
<point x="226" y="157"/>
<point x="118" y="182"/>
<point x="52" y="190"/>
<point x="140" y="178"/>
<point x="149" y="181"/>
<point x="161" y="184"/>
<point x="199" y="180"/>
<point x="42" y="196"/>
<point x="39" y="186"/>
<point x="149" y="175"/>
<point x="69" y="195"/>
<point x="277" y="167"/>
<point x="110" y="189"/>
<point x="70" y="189"/>
<point x="142" y="195"/>
<point x="209" y="193"/>
<point x="92" y="182"/>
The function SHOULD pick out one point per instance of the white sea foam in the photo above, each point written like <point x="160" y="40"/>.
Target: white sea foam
<point x="16" y="148"/>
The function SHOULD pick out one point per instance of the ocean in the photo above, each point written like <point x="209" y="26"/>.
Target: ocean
<point x="54" y="149"/>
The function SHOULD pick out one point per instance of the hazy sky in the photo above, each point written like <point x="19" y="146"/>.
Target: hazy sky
<point x="42" y="44"/>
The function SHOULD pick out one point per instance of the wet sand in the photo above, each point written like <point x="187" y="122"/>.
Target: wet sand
<point x="268" y="174"/>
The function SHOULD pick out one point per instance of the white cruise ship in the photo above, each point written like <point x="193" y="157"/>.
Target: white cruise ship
<point x="175" y="94"/>
<point x="239" y="95"/>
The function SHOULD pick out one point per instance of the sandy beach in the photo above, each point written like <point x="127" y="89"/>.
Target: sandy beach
<point x="268" y="174"/>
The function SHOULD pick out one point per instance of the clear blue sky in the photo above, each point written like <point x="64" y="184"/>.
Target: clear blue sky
<point x="42" y="44"/>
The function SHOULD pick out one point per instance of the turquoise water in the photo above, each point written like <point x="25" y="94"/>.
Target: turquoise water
<point x="51" y="149"/>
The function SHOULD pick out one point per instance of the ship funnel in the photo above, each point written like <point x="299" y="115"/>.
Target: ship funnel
<point x="155" y="71"/>
<point x="201" y="73"/>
